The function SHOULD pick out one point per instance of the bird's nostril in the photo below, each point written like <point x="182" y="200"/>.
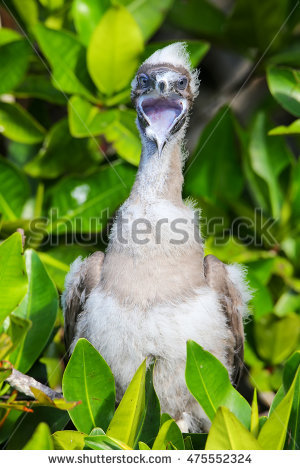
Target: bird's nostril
<point x="161" y="86"/>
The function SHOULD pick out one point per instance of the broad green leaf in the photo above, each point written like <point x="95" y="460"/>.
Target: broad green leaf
<point x="53" y="159"/>
<point x="17" y="329"/>
<point x="228" y="433"/>
<point x="38" y="86"/>
<point x="143" y="446"/>
<point x="86" y="15"/>
<point x="18" y="125"/>
<point x="123" y="134"/>
<point x="66" y="56"/>
<point x="40" y="306"/>
<point x="54" y="369"/>
<point x="169" y="433"/>
<point x="273" y="433"/>
<point x="290" y="369"/>
<point x="88" y="379"/>
<point x="208" y="173"/>
<point x="68" y="440"/>
<point x="103" y="442"/>
<point x="208" y="381"/>
<point x="29" y="14"/>
<point x="150" y="422"/>
<point x="254" y="427"/>
<point x="8" y="35"/>
<point x="293" y="435"/>
<point x="41" y="439"/>
<point x="13" y="278"/>
<point x="197" y="17"/>
<point x="14" y="190"/>
<point x="149" y="15"/>
<point x="284" y="84"/>
<point x="57" y="261"/>
<point x="293" y="128"/>
<point x="114" y="49"/>
<point x="14" y="59"/>
<point x="86" y="120"/>
<point x="288" y="302"/>
<point x="276" y="337"/>
<point x="196" y="49"/>
<point x="126" y="423"/>
<point x="84" y="203"/>
<point x="6" y="345"/>
<point x="269" y="156"/>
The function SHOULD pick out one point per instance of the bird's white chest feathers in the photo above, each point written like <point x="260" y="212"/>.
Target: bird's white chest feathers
<point x="126" y="336"/>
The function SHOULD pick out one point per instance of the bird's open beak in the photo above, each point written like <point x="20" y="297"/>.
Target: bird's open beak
<point x="163" y="114"/>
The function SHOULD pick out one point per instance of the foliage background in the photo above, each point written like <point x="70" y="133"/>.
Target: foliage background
<point x="69" y="151"/>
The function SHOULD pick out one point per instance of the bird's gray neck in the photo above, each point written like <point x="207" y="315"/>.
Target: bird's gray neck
<point x="159" y="176"/>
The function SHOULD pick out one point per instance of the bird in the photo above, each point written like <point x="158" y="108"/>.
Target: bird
<point x="153" y="289"/>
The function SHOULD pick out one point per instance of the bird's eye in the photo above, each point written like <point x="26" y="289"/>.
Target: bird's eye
<point x="182" y="83"/>
<point x="144" y="81"/>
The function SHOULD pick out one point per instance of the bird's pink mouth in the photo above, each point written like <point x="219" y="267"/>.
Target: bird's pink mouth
<point x="163" y="115"/>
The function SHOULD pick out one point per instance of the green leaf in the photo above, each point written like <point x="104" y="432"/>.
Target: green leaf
<point x="149" y="15"/>
<point x="288" y="302"/>
<point x="8" y="35"/>
<point x="13" y="278"/>
<point x="103" y="442"/>
<point x="124" y="136"/>
<point x="41" y="439"/>
<point x="38" y="86"/>
<point x="68" y="440"/>
<point x="284" y="84"/>
<point x="293" y="128"/>
<point x="88" y="379"/>
<point x="14" y="59"/>
<point x="29" y="14"/>
<point x="86" y="120"/>
<point x="84" y="203"/>
<point x="66" y="56"/>
<point x="169" y="433"/>
<point x="17" y="329"/>
<point x="151" y="421"/>
<point x="197" y="17"/>
<point x="143" y="446"/>
<point x="208" y="381"/>
<point x="18" y="125"/>
<point x="254" y="426"/>
<point x="86" y="15"/>
<point x="114" y="49"/>
<point x="273" y="433"/>
<point x="53" y="159"/>
<point x="228" y="433"/>
<point x="208" y="173"/>
<point x="293" y="436"/>
<point x="126" y="423"/>
<point x="40" y="307"/>
<point x="269" y="156"/>
<point x="14" y="190"/>
<point x="276" y="337"/>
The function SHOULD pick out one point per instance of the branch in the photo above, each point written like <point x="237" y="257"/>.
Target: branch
<point x="22" y="383"/>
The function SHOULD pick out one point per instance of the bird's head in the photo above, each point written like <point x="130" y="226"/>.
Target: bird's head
<point x="163" y="91"/>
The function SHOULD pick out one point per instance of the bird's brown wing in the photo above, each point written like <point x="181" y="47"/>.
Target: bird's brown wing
<point x="84" y="275"/>
<point x="231" y="300"/>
